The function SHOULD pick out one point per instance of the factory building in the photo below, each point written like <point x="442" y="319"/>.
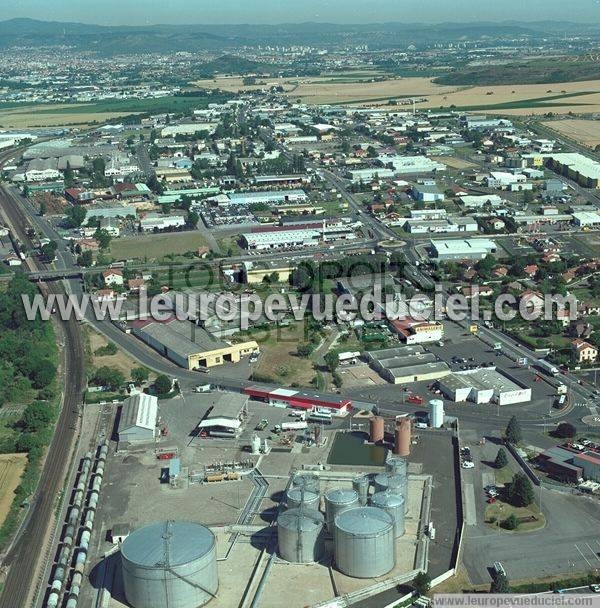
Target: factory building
<point x="155" y="221"/>
<point x="369" y="175"/>
<point x="483" y="386"/>
<point x="570" y="465"/>
<point x="579" y="168"/>
<point x="262" y="241"/>
<point x="138" y="418"/>
<point x="284" y="397"/>
<point x="586" y="219"/>
<point x="270" y="197"/>
<point x="446" y="225"/>
<point x="427" y="194"/>
<point x="405" y="365"/>
<point x="405" y="165"/>
<point x="444" y="250"/>
<point x="188" y="345"/>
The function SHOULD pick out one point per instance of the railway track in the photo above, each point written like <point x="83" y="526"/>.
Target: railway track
<point x="24" y="557"/>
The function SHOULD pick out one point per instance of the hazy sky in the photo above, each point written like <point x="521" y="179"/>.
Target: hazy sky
<point x="138" y="12"/>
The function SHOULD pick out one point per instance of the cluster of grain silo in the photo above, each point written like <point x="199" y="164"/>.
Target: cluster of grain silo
<point x="364" y="529"/>
<point x="170" y="564"/>
<point x="402" y="437"/>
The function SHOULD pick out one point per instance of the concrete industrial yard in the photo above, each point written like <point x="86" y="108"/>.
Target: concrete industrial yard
<point x="133" y="494"/>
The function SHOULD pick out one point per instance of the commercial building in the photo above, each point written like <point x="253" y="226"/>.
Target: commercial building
<point x="269" y="197"/>
<point x="261" y="241"/>
<point x="139" y="417"/>
<point x="285" y="397"/>
<point x="587" y="219"/>
<point x="369" y="175"/>
<point x="484" y="386"/>
<point x="462" y="249"/>
<point x="154" y="221"/>
<point x="479" y="201"/>
<point x="427" y="194"/>
<point x="406" y="364"/>
<point x="441" y="226"/>
<point x="405" y="165"/>
<point x="253" y="273"/>
<point x="416" y="331"/>
<point x="188" y="345"/>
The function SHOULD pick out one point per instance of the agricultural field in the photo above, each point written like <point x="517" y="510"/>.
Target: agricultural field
<point x="11" y="470"/>
<point x="156" y="246"/>
<point x="519" y="99"/>
<point x="29" y="117"/>
<point x="585" y="132"/>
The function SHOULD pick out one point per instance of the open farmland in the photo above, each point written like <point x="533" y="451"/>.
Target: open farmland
<point x="156" y="246"/>
<point x="583" y="97"/>
<point x="11" y="470"/>
<point x="28" y="117"/>
<point x="586" y="132"/>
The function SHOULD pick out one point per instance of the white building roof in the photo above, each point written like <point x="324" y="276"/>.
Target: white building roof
<point x="141" y="411"/>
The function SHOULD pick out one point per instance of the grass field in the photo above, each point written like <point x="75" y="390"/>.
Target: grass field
<point x="11" y="470"/>
<point x="155" y="246"/>
<point x="278" y="359"/>
<point x="501" y="510"/>
<point x="119" y="360"/>
<point x="41" y="115"/>
<point x="586" y="132"/>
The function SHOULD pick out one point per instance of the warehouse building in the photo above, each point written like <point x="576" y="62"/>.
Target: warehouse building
<point x="156" y="221"/>
<point x="188" y="345"/>
<point x="447" y="225"/>
<point x="262" y="241"/>
<point x="416" y="331"/>
<point x="570" y="465"/>
<point x="369" y="175"/>
<point x="427" y="194"/>
<point x="138" y="420"/>
<point x="405" y="165"/>
<point x="269" y="197"/>
<point x="484" y="386"/>
<point x="406" y="364"/>
<point x="305" y="400"/>
<point x="224" y="419"/>
<point x="587" y="219"/>
<point x="579" y="168"/>
<point x="462" y="249"/>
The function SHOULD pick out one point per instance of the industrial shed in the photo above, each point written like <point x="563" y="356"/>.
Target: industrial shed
<point x="484" y="386"/>
<point x="138" y="418"/>
<point x="408" y="364"/>
<point x="188" y="345"/>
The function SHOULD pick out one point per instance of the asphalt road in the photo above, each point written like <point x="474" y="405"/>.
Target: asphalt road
<point x="26" y="551"/>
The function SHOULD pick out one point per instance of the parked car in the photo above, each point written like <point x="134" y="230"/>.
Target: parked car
<point x="468" y="464"/>
<point x="418" y="400"/>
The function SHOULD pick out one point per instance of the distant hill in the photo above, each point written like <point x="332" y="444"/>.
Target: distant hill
<point x="539" y="71"/>
<point x="220" y="38"/>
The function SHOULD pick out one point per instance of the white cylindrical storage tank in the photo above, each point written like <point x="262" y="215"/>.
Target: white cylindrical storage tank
<point x="397" y="465"/>
<point x="255" y="445"/>
<point x="393" y="505"/>
<point x="388" y="481"/>
<point x="337" y="501"/>
<point x="436" y="413"/>
<point x="170" y="564"/>
<point x="364" y="544"/>
<point x="361" y="486"/>
<point x="309" y="481"/>
<point x="300" y="535"/>
<point x="297" y="496"/>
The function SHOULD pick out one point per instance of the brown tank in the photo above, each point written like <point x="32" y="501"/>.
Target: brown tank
<point x="377" y="428"/>
<point x="402" y="438"/>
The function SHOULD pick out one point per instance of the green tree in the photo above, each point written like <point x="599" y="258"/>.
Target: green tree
<point x="140" y="374"/>
<point x="513" y="431"/>
<point x="304" y="350"/>
<point x="510" y="523"/>
<point x="565" y="430"/>
<point x="37" y="415"/>
<point x="162" y="385"/>
<point x="42" y="374"/>
<point x="43" y="208"/>
<point x="75" y="216"/>
<point x="521" y="491"/>
<point x="422" y="583"/>
<point x="501" y="459"/>
<point x="86" y="258"/>
<point x="111" y="378"/>
<point x="103" y="237"/>
<point x="332" y="361"/>
<point x="48" y="251"/>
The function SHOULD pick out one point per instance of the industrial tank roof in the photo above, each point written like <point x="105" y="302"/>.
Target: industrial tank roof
<point x="167" y="543"/>
<point x="303" y="519"/>
<point x="363" y="521"/>
<point x="341" y="495"/>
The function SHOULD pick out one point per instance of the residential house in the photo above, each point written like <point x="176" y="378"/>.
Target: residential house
<point x="112" y="277"/>
<point x="583" y="352"/>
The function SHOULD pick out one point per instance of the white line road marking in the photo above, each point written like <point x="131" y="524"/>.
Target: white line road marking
<point x="594" y="553"/>
<point x="584" y="557"/>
